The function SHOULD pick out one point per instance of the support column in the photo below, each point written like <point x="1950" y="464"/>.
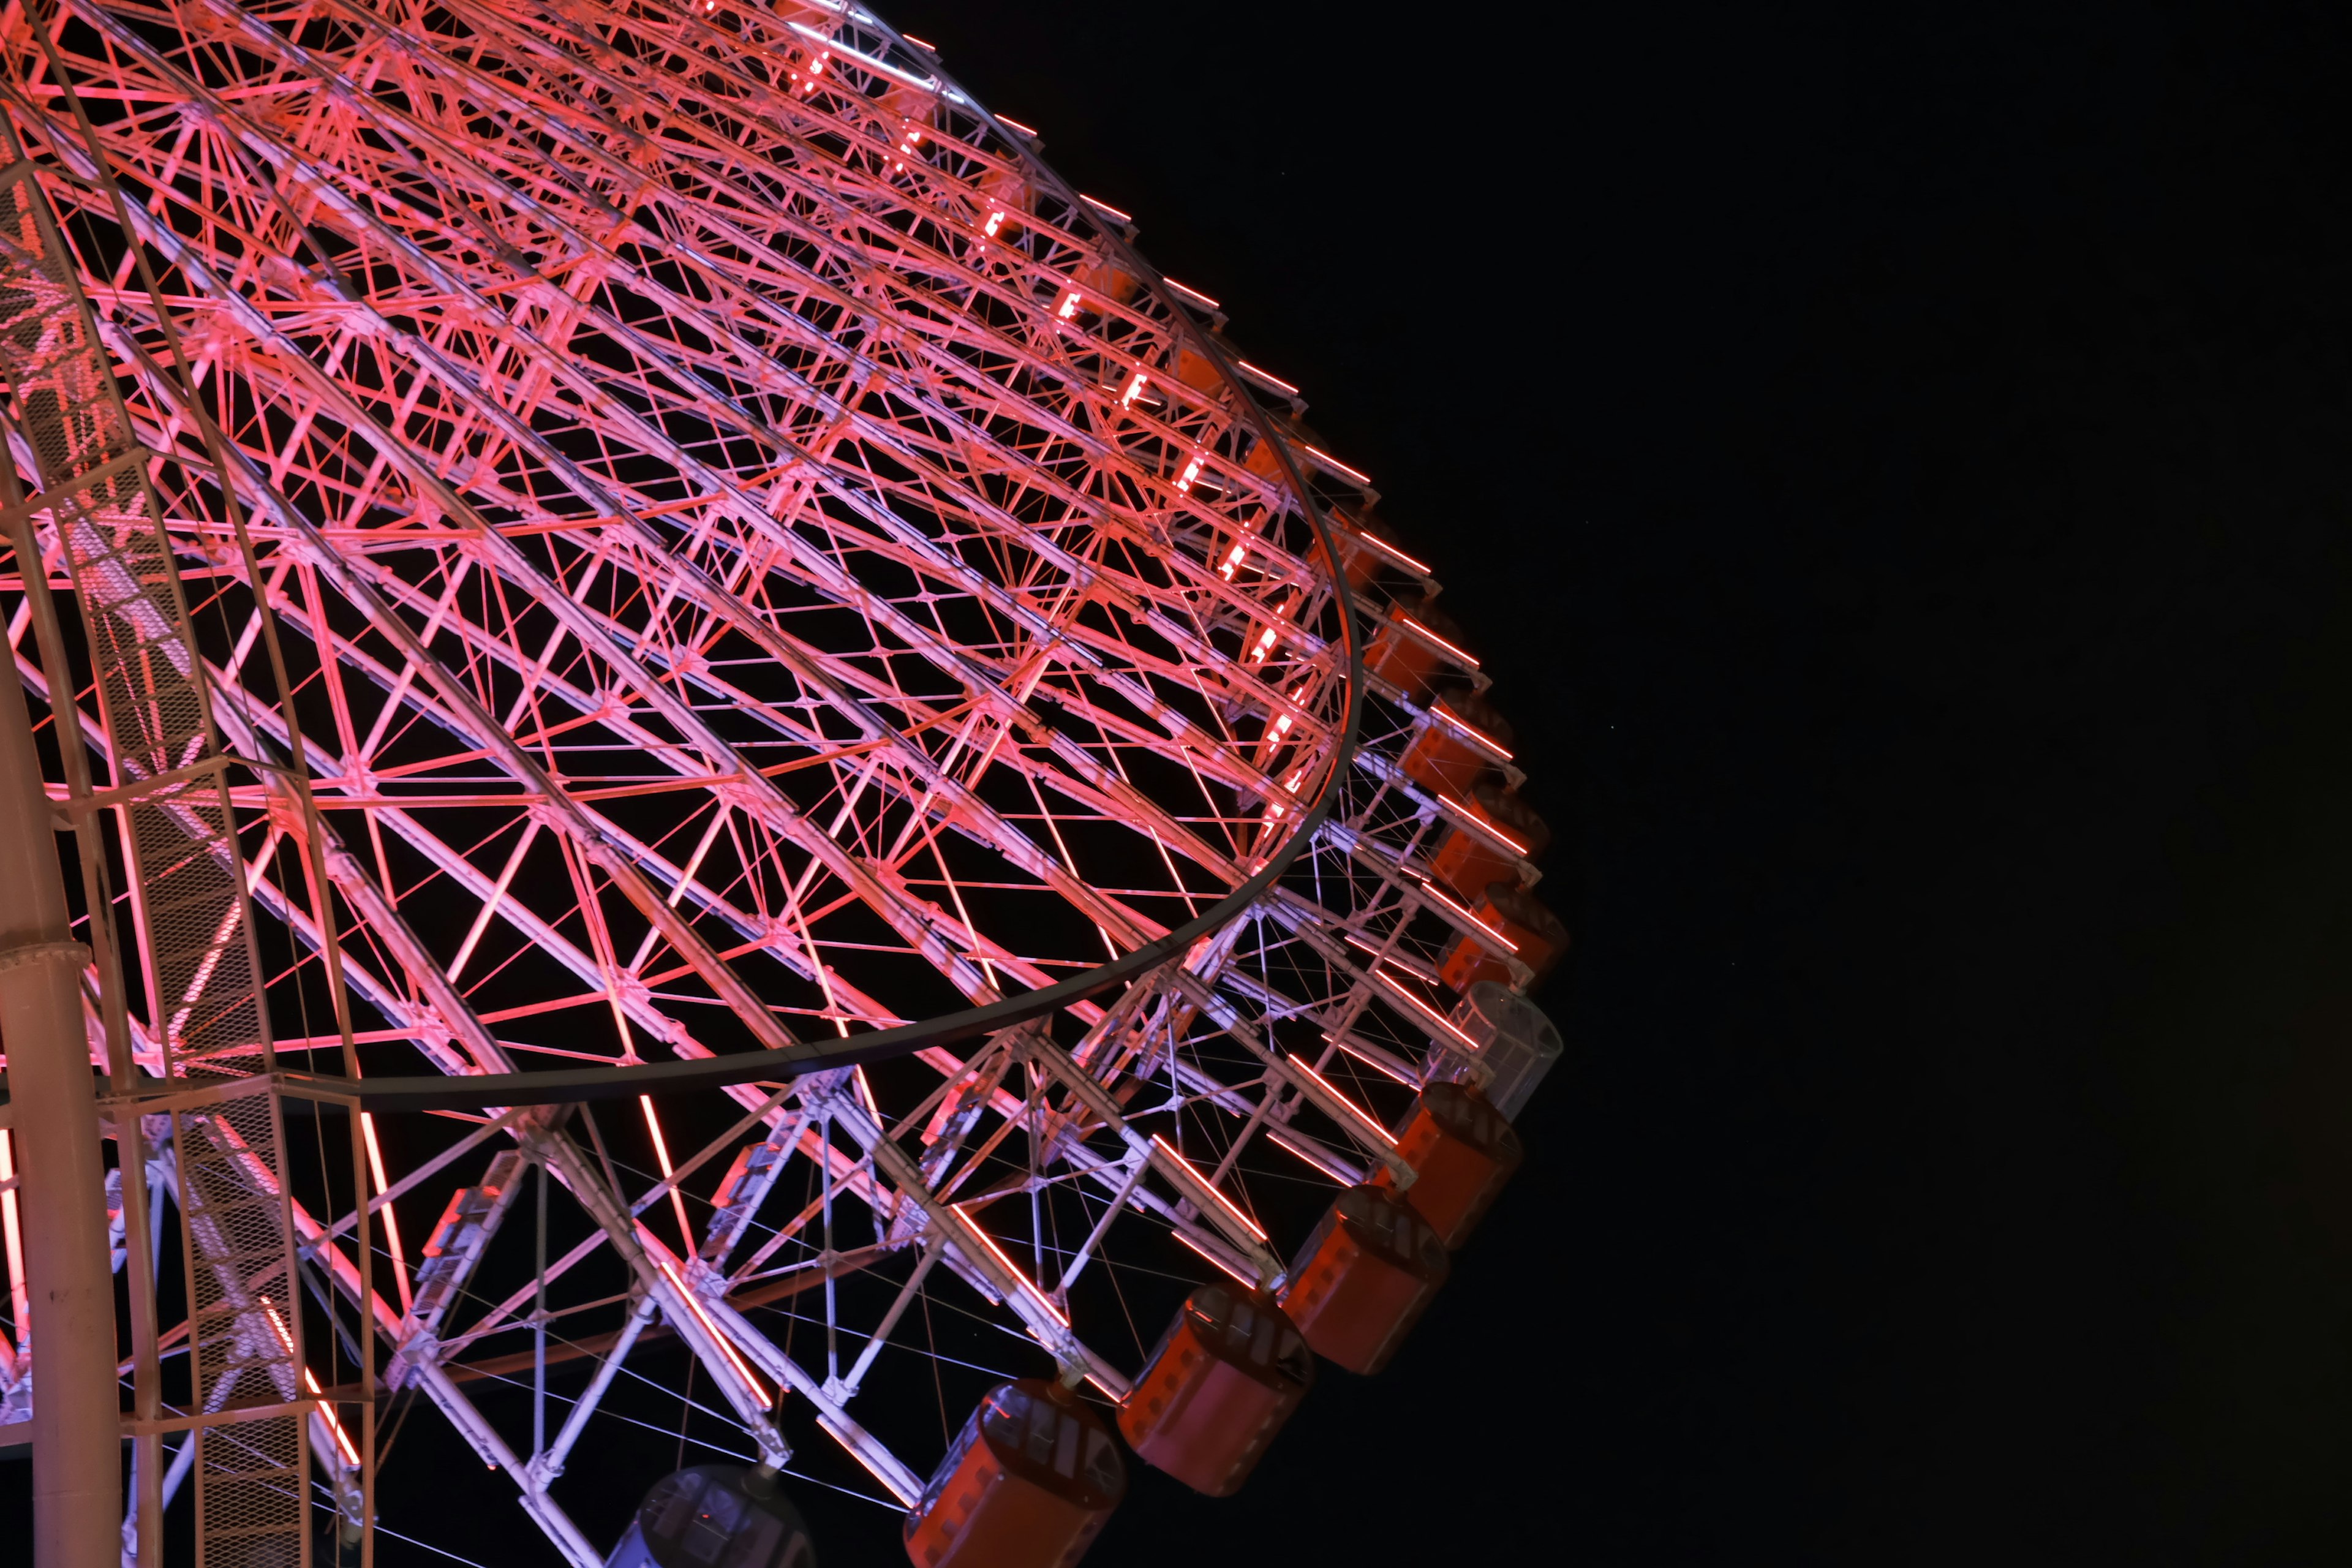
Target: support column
<point x="76" y="1421"/>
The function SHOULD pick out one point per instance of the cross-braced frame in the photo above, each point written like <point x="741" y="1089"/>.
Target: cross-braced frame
<point x="737" y="553"/>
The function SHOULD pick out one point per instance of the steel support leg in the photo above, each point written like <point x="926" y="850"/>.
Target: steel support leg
<point x="76" y="1421"/>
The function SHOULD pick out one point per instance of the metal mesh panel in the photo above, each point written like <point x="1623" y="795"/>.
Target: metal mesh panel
<point x="251" y="1476"/>
<point x="230" y="1192"/>
<point x="185" y="863"/>
<point x="183" y="842"/>
<point x="248" y="1474"/>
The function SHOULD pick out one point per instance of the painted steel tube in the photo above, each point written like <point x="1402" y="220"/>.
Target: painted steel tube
<point x="76" y="1422"/>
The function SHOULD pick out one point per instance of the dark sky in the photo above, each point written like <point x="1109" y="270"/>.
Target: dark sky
<point x="1893" y="461"/>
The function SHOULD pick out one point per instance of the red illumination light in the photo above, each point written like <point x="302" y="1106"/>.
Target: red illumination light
<point x="1249" y="1280"/>
<point x="311" y="1381"/>
<point x="391" y="1218"/>
<point x="1202" y="1182"/>
<point x="839" y="597"/>
<point x="726" y="1347"/>
<point x="1420" y="630"/>
<point x="1393" y="553"/>
<point x="1339" y="1102"/>
<point x="18" y="1283"/>
<point x="1028" y="1287"/>
<point x="1513" y="844"/>
<point x="1428" y="1015"/>
<point x="1429" y="889"/>
<point x="1328" y="461"/>
<point x="1470" y="732"/>
<point x="1270" y="379"/>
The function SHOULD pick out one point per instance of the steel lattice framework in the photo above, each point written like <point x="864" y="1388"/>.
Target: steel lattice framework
<point x="692" y="540"/>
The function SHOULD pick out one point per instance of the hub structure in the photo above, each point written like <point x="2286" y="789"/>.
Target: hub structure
<point x="711" y="766"/>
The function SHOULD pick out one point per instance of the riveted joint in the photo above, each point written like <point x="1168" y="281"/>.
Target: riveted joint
<point x="72" y="955"/>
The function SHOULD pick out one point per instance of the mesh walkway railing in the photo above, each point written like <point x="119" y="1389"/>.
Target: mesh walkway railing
<point x="95" y="509"/>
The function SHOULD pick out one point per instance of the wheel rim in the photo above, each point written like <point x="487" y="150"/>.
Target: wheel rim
<point x="758" y="559"/>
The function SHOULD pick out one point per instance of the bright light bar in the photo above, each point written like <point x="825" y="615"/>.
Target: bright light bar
<point x="1469" y="732"/>
<point x="920" y="43"/>
<point x="1269" y="378"/>
<point x="1276" y="809"/>
<point x="1028" y="1287"/>
<point x="1364" y="945"/>
<point x="1296" y="699"/>
<point x="1329" y="1100"/>
<point x="1428" y="1015"/>
<point x="311" y="1381"/>
<point x="391" y="1218"/>
<point x="1482" y="825"/>
<point x="277" y="1324"/>
<point x="327" y="1412"/>
<point x="1190" y="293"/>
<point x="1097" y="202"/>
<point x="661" y="1153"/>
<point x="1388" y="1069"/>
<point x="1328" y="461"/>
<point x="1179" y="1170"/>
<point x="18" y="1296"/>
<point x="1429" y="889"/>
<point x="1421" y="631"/>
<point x="1248" y="1281"/>
<point x="928" y="84"/>
<point x="1291" y="1144"/>
<point x="1392" y="551"/>
<point x="760" y="1395"/>
<point x="1008" y="120"/>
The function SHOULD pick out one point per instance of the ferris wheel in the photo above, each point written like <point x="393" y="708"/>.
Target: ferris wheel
<point x="729" y="775"/>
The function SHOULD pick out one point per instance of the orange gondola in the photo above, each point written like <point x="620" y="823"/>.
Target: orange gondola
<point x="1466" y="859"/>
<point x="1416" y="643"/>
<point x="1028" y="1483"/>
<point x="1364" y="1277"/>
<point x="1463" y="1153"/>
<point x="1226" y="1376"/>
<point x="1536" y="934"/>
<point x="1462" y="738"/>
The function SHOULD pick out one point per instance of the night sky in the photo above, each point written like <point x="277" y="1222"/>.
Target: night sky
<point x="1895" y="471"/>
<point x="1894" y="462"/>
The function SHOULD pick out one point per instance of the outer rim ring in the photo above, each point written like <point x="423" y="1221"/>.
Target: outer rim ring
<point x="567" y="1086"/>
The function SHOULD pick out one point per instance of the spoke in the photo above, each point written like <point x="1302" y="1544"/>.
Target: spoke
<point x="697" y="542"/>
